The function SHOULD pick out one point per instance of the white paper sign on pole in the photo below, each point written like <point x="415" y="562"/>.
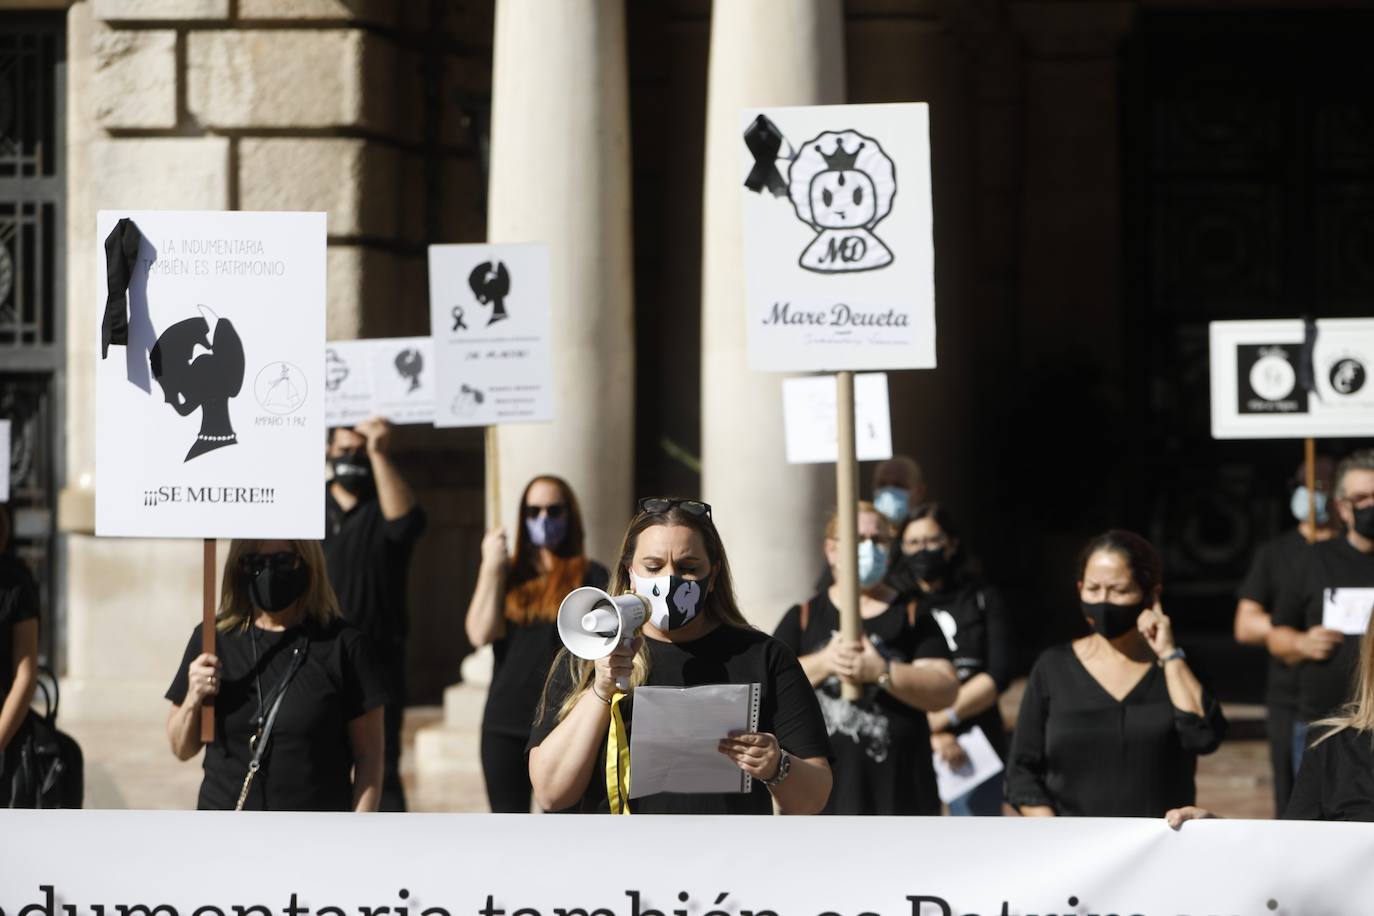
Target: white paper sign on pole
<point x="210" y="421"/>
<point x="390" y="377"/>
<point x="810" y="418"/>
<point x="4" y="461"/>
<point x="489" y="318"/>
<point x="1292" y="380"/>
<point x="839" y="247"/>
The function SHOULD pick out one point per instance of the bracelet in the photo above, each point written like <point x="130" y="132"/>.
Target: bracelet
<point x="953" y="717"/>
<point x="1170" y="656"/>
<point x="599" y="696"/>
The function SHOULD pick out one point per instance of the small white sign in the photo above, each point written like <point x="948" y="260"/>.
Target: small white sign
<point x="1347" y="609"/>
<point x="981" y="764"/>
<point x="839" y="247"/>
<point x="1291" y="380"/>
<point x="811" y="419"/>
<point x="4" y="461"/>
<point x="210" y="420"/>
<point x="489" y="318"/>
<point x="390" y="377"/>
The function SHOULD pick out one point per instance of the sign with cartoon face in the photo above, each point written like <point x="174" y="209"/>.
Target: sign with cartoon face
<point x="839" y="266"/>
<point x="209" y="377"/>
<point x="1292" y="379"/>
<point x="390" y="377"/>
<point x="811" y="418"/>
<point x="489" y="321"/>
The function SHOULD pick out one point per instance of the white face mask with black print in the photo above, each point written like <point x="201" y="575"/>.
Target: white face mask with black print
<point x="675" y="601"/>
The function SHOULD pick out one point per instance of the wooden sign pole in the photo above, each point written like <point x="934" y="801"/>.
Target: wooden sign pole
<point x="207" y="635"/>
<point x="847" y="497"/>
<point x="493" y="470"/>
<point x="1310" y="449"/>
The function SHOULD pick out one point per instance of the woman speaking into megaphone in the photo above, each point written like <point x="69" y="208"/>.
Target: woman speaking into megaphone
<point x="694" y="635"/>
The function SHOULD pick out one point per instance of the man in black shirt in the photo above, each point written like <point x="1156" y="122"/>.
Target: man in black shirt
<point x="1325" y="577"/>
<point x="372" y="524"/>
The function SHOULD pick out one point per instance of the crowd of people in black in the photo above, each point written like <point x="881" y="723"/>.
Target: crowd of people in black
<point x="307" y="680"/>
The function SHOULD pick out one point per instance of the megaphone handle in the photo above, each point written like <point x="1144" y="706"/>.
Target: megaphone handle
<point x="623" y="684"/>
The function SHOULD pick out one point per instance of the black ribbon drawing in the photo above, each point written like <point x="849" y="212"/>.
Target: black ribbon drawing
<point x="121" y="253"/>
<point x="1307" y="365"/>
<point x="457" y="314"/>
<point x="765" y="140"/>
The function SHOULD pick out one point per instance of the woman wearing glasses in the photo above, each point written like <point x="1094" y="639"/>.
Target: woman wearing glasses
<point x="514" y="608"/>
<point x="297" y="698"/>
<point x="695" y="635"/>
<point x="881" y="743"/>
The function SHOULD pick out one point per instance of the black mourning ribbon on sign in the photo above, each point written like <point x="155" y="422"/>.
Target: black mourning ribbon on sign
<point x="764" y="139"/>
<point x="1307" y="367"/>
<point x="121" y="252"/>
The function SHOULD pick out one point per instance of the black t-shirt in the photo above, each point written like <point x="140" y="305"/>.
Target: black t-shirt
<point x="1080" y="751"/>
<point x="1324" y="686"/>
<point x="309" y="765"/>
<point x="367" y="556"/>
<point x="522" y="661"/>
<point x="18" y="602"/>
<point x="1336" y="780"/>
<point x="1271" y="570"/>
<point x="726" y="655"/>
<point x="973" y="618"/>
<point x="881" y="745"/>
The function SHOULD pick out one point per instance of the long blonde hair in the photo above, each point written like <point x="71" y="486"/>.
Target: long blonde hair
<point x="1359" y="712"/>
<point x="720" y="602"/>
<point x="236" y="607"/>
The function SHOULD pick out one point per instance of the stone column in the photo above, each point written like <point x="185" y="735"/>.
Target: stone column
<point x="770" y="513"/>
<point x="560" y="174"/>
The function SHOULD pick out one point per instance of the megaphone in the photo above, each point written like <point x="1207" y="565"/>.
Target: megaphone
<point x="592" y="623"/>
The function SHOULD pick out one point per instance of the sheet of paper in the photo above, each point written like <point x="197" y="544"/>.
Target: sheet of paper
<point x="810" y="418"/>
<point x="674" y="734"/>
<point x="1347" y="609"/>
<point x="983" y="764"/>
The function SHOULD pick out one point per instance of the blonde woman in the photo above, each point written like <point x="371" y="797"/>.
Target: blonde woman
<point x="696" y="635"/>
<point x="286" y="667"/>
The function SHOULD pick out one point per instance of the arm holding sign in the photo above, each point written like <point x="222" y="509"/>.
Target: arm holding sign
<point x="485" y="622"/>
<point x="393" y="493"/>
<point x="183" y="721"/>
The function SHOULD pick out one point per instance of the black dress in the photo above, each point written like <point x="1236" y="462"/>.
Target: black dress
<point x="18" y="602"/>
<point x="726" y="655"/>
<point x="1082" y="752"/>
<point x="882" y="762"/>
<point x="1336" y="780"/>
<point x="973" y="618"/>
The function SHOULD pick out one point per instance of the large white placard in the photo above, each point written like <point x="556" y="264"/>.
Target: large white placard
<point x="210" y="422"/>
<point x="489" y="317"/>
<point x="811" y="421"/>
<point x="107" y="863"/>
<point x="839" y="245"/>
<point x="1289" y="380"/>
<point x="4" y="461"/>
<point x="390" y="377"/>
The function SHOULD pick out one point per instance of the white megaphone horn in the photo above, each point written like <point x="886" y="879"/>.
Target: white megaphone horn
<point x="592" y="623"/>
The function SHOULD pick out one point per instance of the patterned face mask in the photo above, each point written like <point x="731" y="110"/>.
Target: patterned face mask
<point x="676" y="601"/>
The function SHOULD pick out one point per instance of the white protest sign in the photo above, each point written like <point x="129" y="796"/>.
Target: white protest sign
<point x="390" y="377"/>
<point x="139" y="863"/>
<point x="810" y="418"/>
<point x="210" y="421"/>
<point x="981" y="763"/>
<point x="489" y="318"/>
<point x="4" y="461"/>
<point x="1347" y="609"/>
<point x="839" y="248"/>
<point x="1261" y="389"/>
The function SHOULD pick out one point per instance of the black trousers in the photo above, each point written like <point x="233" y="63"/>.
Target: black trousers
<point x="507" y="772"/>
<point x="1279" y="726"/>
<point x="393" y="716"/>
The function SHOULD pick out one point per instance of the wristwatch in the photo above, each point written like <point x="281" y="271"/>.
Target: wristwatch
<point x="884" y="681"/>
<point x="1170" y="656"/>
<point x="784" y="767"/>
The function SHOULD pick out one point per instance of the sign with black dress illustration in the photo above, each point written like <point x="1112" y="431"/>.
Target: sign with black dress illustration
<point x="489" y="320"/>
<point x="210" y="376"/>
<point x="838" y="238"/>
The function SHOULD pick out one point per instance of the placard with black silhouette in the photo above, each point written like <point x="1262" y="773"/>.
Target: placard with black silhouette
<point x="839" y="253"/>
<point x="390" y="377"/>
<point x="1292" y="379"/>
<point x="489" y="321"/>
<point x="209" y="375"/>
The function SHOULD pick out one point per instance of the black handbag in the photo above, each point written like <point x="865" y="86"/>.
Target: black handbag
<point x="42" y="767"/>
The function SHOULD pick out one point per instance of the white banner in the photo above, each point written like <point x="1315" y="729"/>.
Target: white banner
<point x="210" y="422"/>
<point x="839" y="248"/>
<point x="390" y="377"/>
<point x="1262" y="389"/>
<point x="489" y="317"/>
<point x="811" y="419"/>
<point x="111" y="863"/>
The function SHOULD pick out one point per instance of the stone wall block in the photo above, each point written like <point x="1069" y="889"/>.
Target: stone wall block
<point x="461" y="217"/>
<point x="377" y="12"/>
<point x="161" y="173"/>
<point x="150" y="10"/>
<point x="135" y="79"/>
<point x="350" y="179"/>
<point x="303" y="78"/>
<point x="361" y="292"/>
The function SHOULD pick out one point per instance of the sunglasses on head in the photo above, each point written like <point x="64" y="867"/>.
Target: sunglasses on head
<point x="554" y="511"/>
<point x="282" y="561"/>
<point x="655" y="505"/>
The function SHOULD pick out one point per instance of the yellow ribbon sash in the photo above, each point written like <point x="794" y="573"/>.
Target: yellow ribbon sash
<point x="617" y="761"/>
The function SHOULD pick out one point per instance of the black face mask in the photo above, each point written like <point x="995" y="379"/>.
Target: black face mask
<point x="274" y="590"/>
<point x="1112" y="620"/>
<point x="929" y="565"/>
<point x="1364" y="522"/>
<point x="353" y="472"/>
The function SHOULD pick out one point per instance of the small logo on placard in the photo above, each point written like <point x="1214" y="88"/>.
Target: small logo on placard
<point x="490" y="284"/>
<point x="467" y="402"/>
<point x="842" y="185"/>
<point x="1267" y="380"/>
<point x="409" y="364"/>
<point x="280" y="388"/>
<point x="1347" y="375"/>
<point x="335" y="370"/>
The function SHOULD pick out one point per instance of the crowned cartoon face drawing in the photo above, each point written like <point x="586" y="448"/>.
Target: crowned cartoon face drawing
<point x="842" y="185"/>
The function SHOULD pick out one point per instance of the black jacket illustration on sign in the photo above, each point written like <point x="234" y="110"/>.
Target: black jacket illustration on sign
<point x="199" y="363"/>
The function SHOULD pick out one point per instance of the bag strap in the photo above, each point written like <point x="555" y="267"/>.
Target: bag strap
<point x="805" y="615"/>
<point x="259" y="742"/>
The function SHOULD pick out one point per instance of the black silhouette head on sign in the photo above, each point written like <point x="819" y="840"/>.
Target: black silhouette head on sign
<point x="409" y="364"/>
<point x="199" y="363"/>
<point x="490" y="284"/>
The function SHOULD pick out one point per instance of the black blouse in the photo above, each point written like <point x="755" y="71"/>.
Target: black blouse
<point x="1336" y="780"/>
<point x="1082" y="752"/>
